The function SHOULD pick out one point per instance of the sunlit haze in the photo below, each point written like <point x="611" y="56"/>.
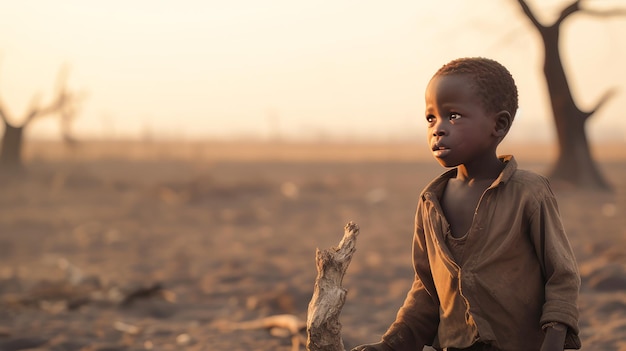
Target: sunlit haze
<point x="310" y="70"/>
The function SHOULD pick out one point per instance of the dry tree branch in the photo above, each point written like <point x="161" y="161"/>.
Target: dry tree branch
<point x="287" y="322"/>
<point x="62" y="98"/>
<point x="606" y="97"/>
<point x="613" y="12"/>
<point x="323" y="327"/>
<point x="68" y="113"/>
<point x="605" y="14"/>
<point x="530" y="14"/>
<point x="576" y="6"/>
<point x="567" y="11"/>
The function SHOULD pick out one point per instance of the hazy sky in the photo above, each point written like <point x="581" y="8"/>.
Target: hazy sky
<point x="299" y="69"/>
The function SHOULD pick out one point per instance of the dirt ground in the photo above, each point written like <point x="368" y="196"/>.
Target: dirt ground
<point x="130" y="250"/>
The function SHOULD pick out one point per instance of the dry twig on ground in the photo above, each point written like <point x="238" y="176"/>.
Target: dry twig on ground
<point x="276" y="324"/>
<point x="323" y="327"/>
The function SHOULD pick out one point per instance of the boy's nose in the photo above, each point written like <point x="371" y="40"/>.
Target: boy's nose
<point x="439" y="130"/>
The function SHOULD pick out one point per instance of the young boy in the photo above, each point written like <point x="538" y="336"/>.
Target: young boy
<point x="493" y="267"/>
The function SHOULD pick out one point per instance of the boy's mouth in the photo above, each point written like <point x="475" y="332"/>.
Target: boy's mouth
<point x="440" y="151"/>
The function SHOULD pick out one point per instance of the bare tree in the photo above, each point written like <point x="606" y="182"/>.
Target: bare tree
<point x="575" y="164"/>
<point x="63" y="104"/>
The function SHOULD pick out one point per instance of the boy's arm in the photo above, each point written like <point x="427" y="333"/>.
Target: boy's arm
<point x="417" y="320"/>
<point x="555" y="337"/>
<point x="562" y="280"/>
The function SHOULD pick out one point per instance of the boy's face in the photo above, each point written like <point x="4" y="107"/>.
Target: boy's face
<point x="460" y="130"/>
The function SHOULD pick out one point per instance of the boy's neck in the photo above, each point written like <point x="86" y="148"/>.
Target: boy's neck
<point x="480" y="170"/>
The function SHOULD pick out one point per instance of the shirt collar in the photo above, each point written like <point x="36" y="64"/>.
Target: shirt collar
<point x="438" y="185"/>
<point x="510" y="166"/>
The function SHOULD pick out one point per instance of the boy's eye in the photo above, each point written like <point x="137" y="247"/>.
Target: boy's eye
<point x="430" y="118"/>
<point x="455" y="115"/>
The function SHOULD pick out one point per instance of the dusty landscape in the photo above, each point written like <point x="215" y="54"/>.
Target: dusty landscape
<point x="167" y="246"/>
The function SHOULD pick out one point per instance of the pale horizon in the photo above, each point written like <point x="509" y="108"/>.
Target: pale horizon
<point x="270" y="70"/>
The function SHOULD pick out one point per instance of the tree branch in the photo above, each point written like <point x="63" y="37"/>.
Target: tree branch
<point x="285" y="322"/>
<point x="531" y="16"/>
<point x="569" y="10"/>
<point x="603" y="13"/>
<point x="566" y="12"/>
<point x="61" y="99"/>
<point x="68" y="114"/>
<point x="608" y="95"/>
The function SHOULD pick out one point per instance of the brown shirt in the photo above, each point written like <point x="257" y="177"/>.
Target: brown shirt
<point x="518" y="271"/>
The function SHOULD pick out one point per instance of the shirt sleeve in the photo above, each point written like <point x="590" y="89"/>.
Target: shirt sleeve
<point x="417" y="320"/>
<point x="562" y="279"/>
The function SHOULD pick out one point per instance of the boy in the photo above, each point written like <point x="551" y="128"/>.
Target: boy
<point x="493" y="267"/>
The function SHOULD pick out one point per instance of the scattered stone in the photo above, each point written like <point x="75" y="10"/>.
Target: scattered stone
<point x="142" y="292"/>
<point x="184" y="339"/>
<point x="148" y="345"/>
<point x="126" y="328"/>
<point x="290" y="190"/>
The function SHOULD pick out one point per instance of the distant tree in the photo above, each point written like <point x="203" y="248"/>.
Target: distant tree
<point x="63" y="104"/>
<point x="575" y="164"/>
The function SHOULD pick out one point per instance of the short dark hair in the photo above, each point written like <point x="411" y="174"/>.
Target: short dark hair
<point x="493" y="82"/>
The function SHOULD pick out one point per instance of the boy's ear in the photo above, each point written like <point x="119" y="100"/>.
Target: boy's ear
<point x="503" y="124"/>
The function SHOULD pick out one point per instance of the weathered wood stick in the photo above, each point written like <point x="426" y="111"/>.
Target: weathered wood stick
<point x="289" y="323"/>
<point x="322" y="325"/>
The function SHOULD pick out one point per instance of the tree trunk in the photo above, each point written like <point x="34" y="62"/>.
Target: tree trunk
<point x="11" y="152"/>
<point x="574" y="164"/>
<point x="322" y="325"/>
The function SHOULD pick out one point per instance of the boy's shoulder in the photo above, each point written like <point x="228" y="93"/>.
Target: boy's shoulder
<point x="514" y="174"/>
<point x="531" y="183"/>
<point x="529" y="177"/>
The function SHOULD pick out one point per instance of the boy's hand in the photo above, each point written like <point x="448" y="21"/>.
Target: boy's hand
<point x="380" y="346"/>
<point x="555" y="338"/>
